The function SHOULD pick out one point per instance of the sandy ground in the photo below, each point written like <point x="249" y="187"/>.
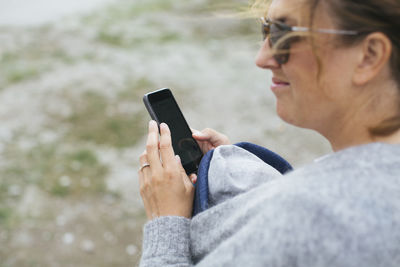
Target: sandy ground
<point x="68" y="182"/>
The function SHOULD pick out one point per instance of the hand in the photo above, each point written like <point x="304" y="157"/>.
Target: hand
<point x="209" y="139"/>
<point x="165" y="188"/>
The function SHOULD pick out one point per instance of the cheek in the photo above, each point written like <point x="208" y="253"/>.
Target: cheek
<point x="306" y="98"/>
<point x="302" y="72"/>
<point x="302" y="64"/>
<point x="335" y="77"/>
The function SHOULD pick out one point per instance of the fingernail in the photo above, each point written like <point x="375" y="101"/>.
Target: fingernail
<point x="152" y="123"/>
<point x="178" y="158"/>
<point x="164" y="126"/>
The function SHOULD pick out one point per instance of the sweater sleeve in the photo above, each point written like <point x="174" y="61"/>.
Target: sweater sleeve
<point x="166" y="242"/>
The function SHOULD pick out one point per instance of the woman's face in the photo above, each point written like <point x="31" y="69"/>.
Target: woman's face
<point x="304" y="98"/>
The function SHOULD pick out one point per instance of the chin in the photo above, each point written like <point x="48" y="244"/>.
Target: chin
<point x="283" y="113"/>
<point x="289" y="117"/>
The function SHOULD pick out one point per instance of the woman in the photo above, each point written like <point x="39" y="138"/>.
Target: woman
<point x="336" y="69"/>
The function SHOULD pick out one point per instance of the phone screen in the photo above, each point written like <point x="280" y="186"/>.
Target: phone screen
<point x="165" y="109"/>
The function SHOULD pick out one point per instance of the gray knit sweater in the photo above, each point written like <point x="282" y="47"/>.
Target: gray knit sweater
<point x="342" y="210"/>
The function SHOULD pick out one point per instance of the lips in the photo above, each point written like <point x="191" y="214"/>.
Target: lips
<point x="279" y="86"/>
<point x="277" y="81"/>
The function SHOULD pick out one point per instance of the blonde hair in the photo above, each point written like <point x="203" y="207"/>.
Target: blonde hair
<point x="259" y="8"/>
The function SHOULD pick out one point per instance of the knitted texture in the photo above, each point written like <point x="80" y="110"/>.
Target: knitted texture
<point x="166" y="238"/>
<point x="343" y="210"/>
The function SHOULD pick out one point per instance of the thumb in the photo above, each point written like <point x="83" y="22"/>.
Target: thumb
<point x="200" y="136"/>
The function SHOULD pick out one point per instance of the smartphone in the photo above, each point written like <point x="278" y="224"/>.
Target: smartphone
<point x="163" y="107"/>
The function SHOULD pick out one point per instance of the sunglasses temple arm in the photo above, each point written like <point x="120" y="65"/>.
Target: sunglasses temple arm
<point x="328" y="31"/>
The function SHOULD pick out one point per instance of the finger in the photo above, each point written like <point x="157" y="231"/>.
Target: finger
<point x="144" y="162"/>
<point x="166" y="150"/>
<point x="193" y="178"/>
<point x="141" y="184"/>
<point x="208" y="134"/>
<point x="146" y="195"/>
<point x="142" y="189"/>
<point x="179" y="162"/>
<point x="141" y="180"/>
<point x="152" y="146"/>
<point x="143" y="158"/>
<point x="144" y="170"/>
<point x="216" y="138"/>
<point x="144" y="186"/>
<point x="201" y="136"/>
<point x="212" y="135"/>
<point x="186" y="180"/>
<point x="196" y="132"/>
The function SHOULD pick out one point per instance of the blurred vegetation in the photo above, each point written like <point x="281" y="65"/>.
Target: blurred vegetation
<point x="132" y="25"/>
<point x="54" y="168"/>
<point x="28" y="60"/>
<point x="96" y="119"/>
<point x="68" y="171"/>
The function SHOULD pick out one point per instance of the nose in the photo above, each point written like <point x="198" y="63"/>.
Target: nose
<point x="265" y="59"/>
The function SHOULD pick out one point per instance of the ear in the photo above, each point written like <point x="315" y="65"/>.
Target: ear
<point x="374" y="55"/>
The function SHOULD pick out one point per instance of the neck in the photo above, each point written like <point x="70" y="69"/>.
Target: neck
<point x="355" y="131"/>
<point x="364" y="108"/>
<point x="342" y="143"/>
<point x="349" y="137"/>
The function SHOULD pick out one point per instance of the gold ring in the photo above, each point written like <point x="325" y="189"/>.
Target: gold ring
<point x="144" y="166"/>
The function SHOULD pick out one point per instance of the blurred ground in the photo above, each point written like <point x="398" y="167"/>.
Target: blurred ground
<point x="27" y="12"/>
<point x="73" y="122"/>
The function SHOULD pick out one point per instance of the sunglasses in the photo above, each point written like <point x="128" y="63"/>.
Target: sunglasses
<point x="275" y="30"/>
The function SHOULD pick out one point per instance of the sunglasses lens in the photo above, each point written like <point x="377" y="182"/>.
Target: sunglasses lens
<point x="277" y="32"/>
<point x="282" y="59"/>
<point x="265" y="30"/>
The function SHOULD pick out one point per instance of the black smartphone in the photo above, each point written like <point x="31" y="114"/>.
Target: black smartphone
<point x="163" y="107"/>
